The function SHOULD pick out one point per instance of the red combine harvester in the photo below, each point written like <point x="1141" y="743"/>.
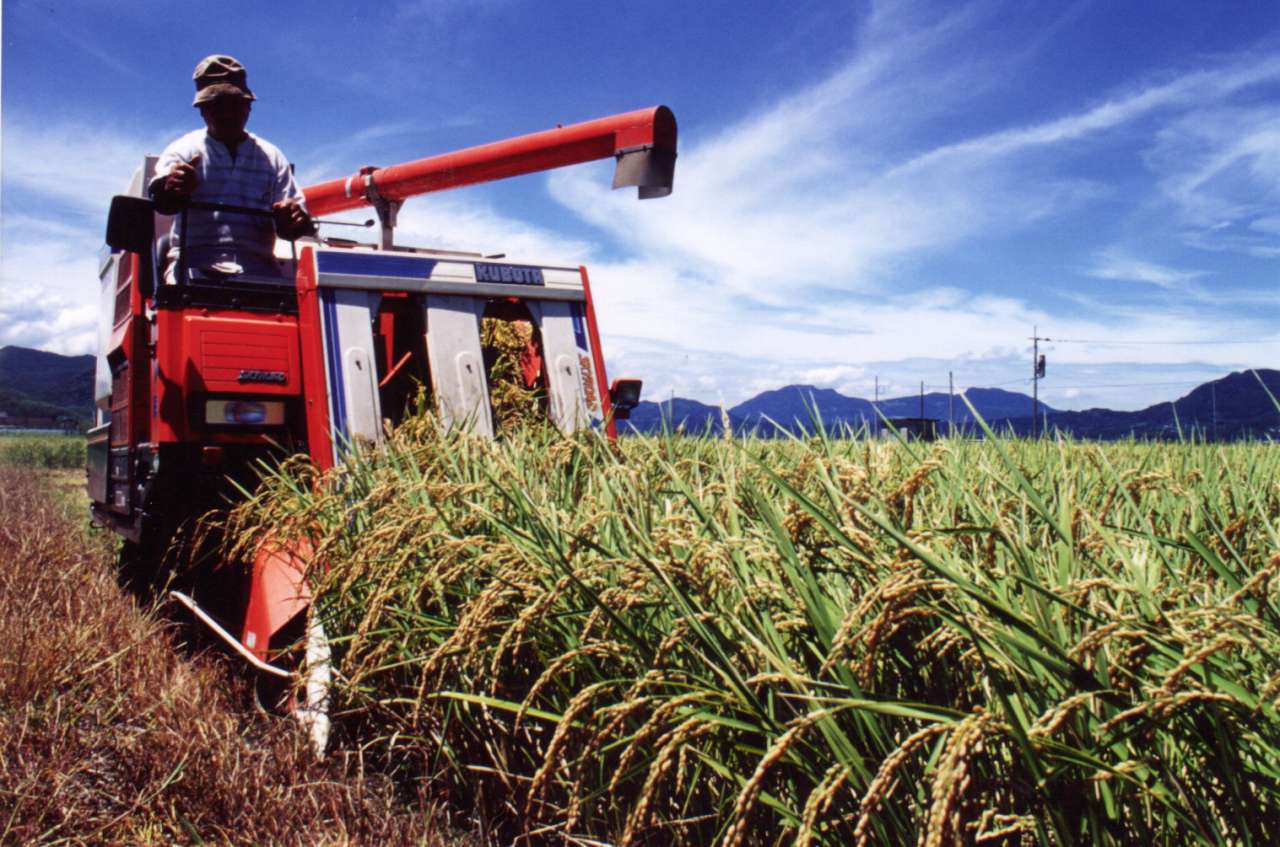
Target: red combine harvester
<point x="200" y="379"/>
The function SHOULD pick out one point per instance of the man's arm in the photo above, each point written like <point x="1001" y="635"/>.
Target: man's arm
<point x="291" y="216"/>
<point x="172" y="190"/>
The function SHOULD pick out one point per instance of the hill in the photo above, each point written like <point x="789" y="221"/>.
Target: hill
<point x="1235" y="406"/>
<point x="794" y="406"/>
<point x="36" y="383"/>
<point x="693" y="416"/>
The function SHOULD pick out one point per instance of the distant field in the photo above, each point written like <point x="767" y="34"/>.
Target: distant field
<point x="42" y="451"/>
<point x="703" y="641"/>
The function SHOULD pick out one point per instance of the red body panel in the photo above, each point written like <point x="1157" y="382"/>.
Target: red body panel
<point x="593" y="332"/>
<point x="315" y="394"/>
<point x="278" y="592"/>
<point x="205" y="353"/>
<point x="130" y="387"/>
<point x="540" y="151"/>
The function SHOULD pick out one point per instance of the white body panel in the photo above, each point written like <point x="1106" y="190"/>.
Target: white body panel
<point x="355" y="411"/>
<point x="453" y="291"/>
<point x="568" y="405"/>
<point x="457" y="363"/>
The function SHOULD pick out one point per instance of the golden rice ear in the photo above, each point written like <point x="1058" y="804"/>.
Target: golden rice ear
<point x="514" y="404"/>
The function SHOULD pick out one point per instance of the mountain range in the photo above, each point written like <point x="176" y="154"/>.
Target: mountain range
<point x="1239" y="405"/>
<point x="36" y="383"/>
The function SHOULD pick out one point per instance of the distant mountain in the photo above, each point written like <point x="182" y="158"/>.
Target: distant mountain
<point x="693" y="416"/>
<point x="1233" y="407"/>
<point x="35" y="383"/>
<point x="793" y="407"/>
<point x="991" y="403"/>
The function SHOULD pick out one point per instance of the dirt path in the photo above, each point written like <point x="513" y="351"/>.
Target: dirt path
<point x="109" y="736"/>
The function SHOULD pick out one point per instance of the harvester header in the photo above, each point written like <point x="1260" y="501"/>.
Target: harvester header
<point x="643" y="142"/>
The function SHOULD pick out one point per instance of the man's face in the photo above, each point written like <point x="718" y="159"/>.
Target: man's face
<point x="226" y="117"/>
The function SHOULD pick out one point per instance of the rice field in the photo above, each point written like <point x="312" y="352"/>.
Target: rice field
<point x="47" y="451"/>
<point x="818" y="641"/>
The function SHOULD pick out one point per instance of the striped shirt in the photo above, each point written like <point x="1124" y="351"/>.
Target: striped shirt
<point x="257" y="176"/>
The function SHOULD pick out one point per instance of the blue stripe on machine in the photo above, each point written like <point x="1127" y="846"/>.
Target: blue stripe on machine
<point x="579" y="326"/>
<point x="361" y="263"/>
<point x="337" y="392"/>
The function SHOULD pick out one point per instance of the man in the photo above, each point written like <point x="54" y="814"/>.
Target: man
<point x="224" y="164"/>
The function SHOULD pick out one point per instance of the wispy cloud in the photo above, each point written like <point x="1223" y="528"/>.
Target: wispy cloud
<point x="49" y="296"/>
<point x="452" y="222"/>
<point x="1118" y="266"/>
<point x="807" y="192"/>
<point x="76" y="164"/>
<point x="1219" y="168"/>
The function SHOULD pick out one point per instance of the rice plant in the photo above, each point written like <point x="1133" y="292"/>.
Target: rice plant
<point x="680" y="640"/>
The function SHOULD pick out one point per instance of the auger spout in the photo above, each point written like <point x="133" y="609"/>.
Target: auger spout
<point x="643" y="142"/>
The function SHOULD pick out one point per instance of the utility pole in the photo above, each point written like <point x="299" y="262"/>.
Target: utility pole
<point x="1213" y="395"/>
<point x="876" y="405"/>
<point x="951" y="404"/>
<point x="1035" y="378"/>
<point x="1037" y="374"/>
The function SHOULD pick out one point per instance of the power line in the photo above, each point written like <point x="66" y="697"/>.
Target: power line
<point x="1175" y="343"/>
<point x="1130" y="384"/>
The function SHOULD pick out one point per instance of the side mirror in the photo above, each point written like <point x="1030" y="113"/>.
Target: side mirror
<point x="624" y="394"/>
<point x="131" y="224"/>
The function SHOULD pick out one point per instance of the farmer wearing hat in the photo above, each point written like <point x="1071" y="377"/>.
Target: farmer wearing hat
<point x="224" y="164"/>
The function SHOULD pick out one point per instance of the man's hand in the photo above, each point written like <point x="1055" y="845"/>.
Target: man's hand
<point x="181" y="181"/>
<point x="292" y="220"/>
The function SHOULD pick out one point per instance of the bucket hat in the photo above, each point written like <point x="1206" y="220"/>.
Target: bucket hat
<point x="218" y="76"/>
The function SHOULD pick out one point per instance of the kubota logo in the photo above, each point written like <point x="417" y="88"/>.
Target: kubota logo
<point x="273" y="377"/>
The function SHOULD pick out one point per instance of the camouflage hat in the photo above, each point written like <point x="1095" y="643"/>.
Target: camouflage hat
<point x="217" y="76"/>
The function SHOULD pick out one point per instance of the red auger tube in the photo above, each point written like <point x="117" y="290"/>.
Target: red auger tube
<point x="643" y="142"/>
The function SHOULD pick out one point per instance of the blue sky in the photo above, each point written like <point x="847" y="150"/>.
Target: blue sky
<point x="864" y="190"/>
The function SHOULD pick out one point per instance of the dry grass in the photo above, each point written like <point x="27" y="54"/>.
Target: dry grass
<point x="108" y="735"/>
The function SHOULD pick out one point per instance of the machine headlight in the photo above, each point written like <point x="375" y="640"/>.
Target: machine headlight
<point x="244" y="412"/>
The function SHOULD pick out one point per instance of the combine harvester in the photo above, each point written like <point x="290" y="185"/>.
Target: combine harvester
<point x="198" y="380"/>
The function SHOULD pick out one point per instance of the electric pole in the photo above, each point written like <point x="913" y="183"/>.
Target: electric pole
<point x="1037" y="374"/>
<point x="1213" y="394"/>
<point x="951" y="403"/>
<point x="876" y="405"/>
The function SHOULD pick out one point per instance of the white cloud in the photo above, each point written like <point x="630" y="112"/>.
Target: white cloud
<point x="1118" y="266"/>
<point x="823" y="190"/>
<point x="678" y="330"/>
<point x="451" y="222"/>
<point x="78" y="165"/>
<point x="1219" y="168"/>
